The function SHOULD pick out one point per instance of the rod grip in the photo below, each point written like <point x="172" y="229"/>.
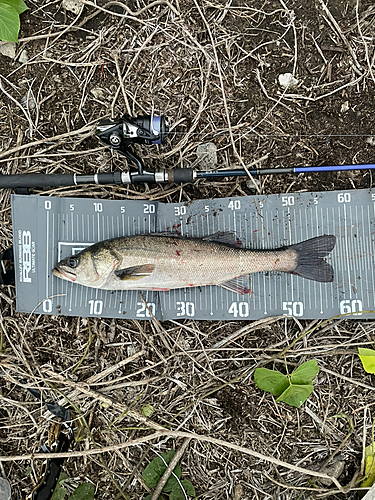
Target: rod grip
<point x="181" y="175"/>
<point x="35" y="180"/>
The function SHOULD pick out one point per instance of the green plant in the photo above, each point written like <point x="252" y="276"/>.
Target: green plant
<point x="85" y="491"/>
<point x="172" y="489"/>
<point x="10" y="11"/>
<point x="369" y="466"/>
<point x="367" y="356"/>
<point x="292" y="389"/>
<point x="147" y="410"/>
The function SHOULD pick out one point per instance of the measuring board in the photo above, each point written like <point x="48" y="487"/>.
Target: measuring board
<point x="48" y="229"/>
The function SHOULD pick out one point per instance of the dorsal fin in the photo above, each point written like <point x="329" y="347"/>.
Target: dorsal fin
<point x="224" y="237"/>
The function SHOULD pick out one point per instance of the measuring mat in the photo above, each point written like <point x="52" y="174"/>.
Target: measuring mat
<point x="47" y="230"/>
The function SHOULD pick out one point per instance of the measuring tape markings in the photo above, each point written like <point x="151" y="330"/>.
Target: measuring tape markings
<point x="370" y="252"/>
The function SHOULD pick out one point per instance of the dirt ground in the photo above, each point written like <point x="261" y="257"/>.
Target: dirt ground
<point x="212" y="68"/>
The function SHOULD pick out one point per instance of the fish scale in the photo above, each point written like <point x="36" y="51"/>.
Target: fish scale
<point x="48" y="229"/>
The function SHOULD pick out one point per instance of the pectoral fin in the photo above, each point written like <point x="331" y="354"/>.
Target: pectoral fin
<point x="240" y="285"/>
<point x="135" y="273"/>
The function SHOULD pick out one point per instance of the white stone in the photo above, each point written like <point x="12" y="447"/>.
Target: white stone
<point x="98" y="93"/>
<point x="344" y="107"/>
<point x="28" y="102"/>
<point x="23" y="57"/>
<point x="5" y="489"/>
<point x="74" y="6"/>
<point x="8" y="49"/>
<point x="207" y="155"/>
<point x="287" y="80"/>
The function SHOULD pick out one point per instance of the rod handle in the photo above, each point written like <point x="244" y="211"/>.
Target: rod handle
<point x="35" y="180"/>
<point x="181" y="175"/>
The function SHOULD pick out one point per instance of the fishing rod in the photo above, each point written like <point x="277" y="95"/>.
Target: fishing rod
<point x="121" y="134"/>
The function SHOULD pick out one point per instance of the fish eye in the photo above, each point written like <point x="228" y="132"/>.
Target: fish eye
<point x="73" y="262"/>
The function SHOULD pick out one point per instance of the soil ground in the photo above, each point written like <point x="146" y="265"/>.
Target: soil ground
<point x="212" y="68"/>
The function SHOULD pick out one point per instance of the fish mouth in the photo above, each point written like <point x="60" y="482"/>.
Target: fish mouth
<point x="64" y="274"/>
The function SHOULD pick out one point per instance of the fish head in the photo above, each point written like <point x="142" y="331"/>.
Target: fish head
<point x="90" y="267"/>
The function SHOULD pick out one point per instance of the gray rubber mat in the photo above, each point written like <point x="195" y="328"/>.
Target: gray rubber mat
<point x="49" y="229"/>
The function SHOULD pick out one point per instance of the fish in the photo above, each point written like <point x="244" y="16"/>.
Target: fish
<point x="165" y="261"/>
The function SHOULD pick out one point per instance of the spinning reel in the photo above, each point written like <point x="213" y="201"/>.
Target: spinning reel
<point x="120" y="134"/>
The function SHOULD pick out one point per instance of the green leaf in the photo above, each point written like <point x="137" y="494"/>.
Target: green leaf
<point x="271" y="381"/>
<point x="63" y="477"/>
<point x="18" y="5"/>
<point x="147" y="410"/>
<point x="189" y="488"/>
<point x="177" y="493"/>
<point x="171" y="484"/>
<point x="370" y="450"/>
<point x="156" y="469"/>
<point x="82" y="431"/>
<point x="84" y="491"/>
<point x="172" y="481"/>
<point x="367" y="357"/>
<point x="9" y="23"/>
<point x="369" y="466"/>
<point x="59" y="493"/>
<point x="152" y="474"/>
<point x="167" y="456"/>
<point x="296" y="395"/>
<point x="305" y="373"/>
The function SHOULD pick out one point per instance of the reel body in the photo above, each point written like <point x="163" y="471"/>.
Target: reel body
<point x="120" y="134"/>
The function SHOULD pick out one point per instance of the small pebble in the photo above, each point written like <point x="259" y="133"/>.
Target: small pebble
<point x="23" y="57"/>
<point x="335" y="470"/>
<point x="287" y="81"/>
<point x="250" y="183"/>
<point x="344" y="107"/>
<point x="238" y="492"/>
<point x="8" y="49"/>
<point x="74" y="6"/>
<point x="28" y="102"/>
<point x="98" y="93"/>
<point x="207" y="155"/>
<point x="5" y="491"/>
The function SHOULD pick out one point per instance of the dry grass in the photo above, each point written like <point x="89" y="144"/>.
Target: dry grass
<point x="212" y="68"/>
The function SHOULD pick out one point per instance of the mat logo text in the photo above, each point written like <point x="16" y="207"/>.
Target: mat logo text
<point x="26" y="256"/>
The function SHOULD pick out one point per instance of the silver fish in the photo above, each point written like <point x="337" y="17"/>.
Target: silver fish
<point x="164" y="262"/>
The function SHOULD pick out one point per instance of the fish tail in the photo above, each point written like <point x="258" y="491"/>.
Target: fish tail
<point x="310" y="262"/>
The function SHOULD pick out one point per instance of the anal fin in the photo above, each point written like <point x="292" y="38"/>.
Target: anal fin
<point x="135" y="273"/>
<point x="240" y="285"/>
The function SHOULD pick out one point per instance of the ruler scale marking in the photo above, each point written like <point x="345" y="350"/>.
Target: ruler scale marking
<point x="360" y="268"/>
<point x="370" y="252"/>
<point x="52" y="249"/>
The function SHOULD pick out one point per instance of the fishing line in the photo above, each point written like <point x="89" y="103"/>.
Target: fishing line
<point x="253" y="134"/>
